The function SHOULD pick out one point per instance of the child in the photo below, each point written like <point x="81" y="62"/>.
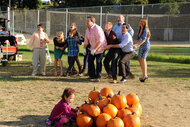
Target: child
<point x="62" y="113"/>
<point x="73" y="50"/>
<point x="58" y="51"/>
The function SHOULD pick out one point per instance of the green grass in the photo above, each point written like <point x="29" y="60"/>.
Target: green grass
<point x="161" y="54"/>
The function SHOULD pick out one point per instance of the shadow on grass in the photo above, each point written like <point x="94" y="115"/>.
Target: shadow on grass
<point x="28" y="120"/>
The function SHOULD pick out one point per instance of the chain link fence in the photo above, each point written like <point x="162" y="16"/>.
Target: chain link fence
<point x="167" y="22"/>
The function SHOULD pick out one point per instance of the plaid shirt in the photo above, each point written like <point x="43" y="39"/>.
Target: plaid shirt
<point x="72" y="46"/>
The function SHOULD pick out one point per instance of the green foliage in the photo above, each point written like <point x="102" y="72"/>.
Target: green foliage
<point x="34" y="4"/>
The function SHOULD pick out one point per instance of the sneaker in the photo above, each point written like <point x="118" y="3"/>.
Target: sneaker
<point x="33" y="74"/>
<point x="123" y="80"/>
<point x="114" y="81"/>
<point x="81" y="74"/>
<point x="43" y="74"/>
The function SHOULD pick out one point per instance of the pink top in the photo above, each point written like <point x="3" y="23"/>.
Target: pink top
<point x="62" y="108"/>
<point x="94" y="35"/>
<point x="35" y="40"/>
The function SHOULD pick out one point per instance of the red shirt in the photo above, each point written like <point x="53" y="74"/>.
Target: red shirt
<point x="62" y="108"/>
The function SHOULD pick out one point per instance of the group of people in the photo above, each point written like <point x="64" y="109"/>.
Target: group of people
<point x="118" y="40"/>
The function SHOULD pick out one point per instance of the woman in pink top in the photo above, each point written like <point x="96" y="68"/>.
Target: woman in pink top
<point x="95" y="36"/>
<point x="62" y="112"/>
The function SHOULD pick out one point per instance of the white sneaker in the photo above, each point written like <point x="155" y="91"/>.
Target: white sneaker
<point x="43" y="74"/>
<point x="81" y="74"/>
<point x="33" y="74"/>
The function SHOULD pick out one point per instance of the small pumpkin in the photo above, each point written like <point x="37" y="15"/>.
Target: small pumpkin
<point x="84" y="120"/>
<point x="93" y="95"/>
<point x="102" y="101"/>
<point x="137" y="109"/>
<point x="93" y="110"/>
<point x="102" y="120"/>
<point x="119" y="100"/>
<point x="111" y="110"/>
<point x="106" y="91"/>
<point x="84" y="107"/>
<point x="131" y="120"/>
<point x="132" y="99"/>
<point x="115" y="122"/>
<point x="123" y="113"/>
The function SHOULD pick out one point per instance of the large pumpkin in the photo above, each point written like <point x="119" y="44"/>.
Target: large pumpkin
<point x="123" y="113"/>
<point x="93" y="95"/>
<point x="119" y="100"/>
<point x="115" y="122"/>
<point x="93" y="110"/>
<point x="111" y="110"/>
<point x="102" y="101"/>
<point x="137" y="109"/>
<point x="106" y="91"/>
<point x="84" y="120"/>
<point x="102" y="120"/>
<point x="132" y="99"/>
<point x="131" y="120"/>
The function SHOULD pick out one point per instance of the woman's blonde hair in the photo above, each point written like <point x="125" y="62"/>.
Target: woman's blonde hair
<point x="145" y="25"/>
<point x="62" y="35"/>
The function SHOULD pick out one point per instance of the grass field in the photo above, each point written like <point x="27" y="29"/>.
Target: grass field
<point x="28" y="101"/>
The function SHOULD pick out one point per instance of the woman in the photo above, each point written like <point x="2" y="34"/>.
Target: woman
<point x="77" y="35"/>
<point x="58" y="51"/>
<point x="144" y="44"/>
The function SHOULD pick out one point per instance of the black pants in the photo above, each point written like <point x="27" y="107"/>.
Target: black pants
<point x="71" y="62"/>
<point x="111" y="56"/>
<point x="85" y="60"/>
<point x="95" y="73"/>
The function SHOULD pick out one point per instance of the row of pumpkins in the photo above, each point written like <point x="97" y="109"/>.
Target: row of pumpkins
<point x="106" y="109"/>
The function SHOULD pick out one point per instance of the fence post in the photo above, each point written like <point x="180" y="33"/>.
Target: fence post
<point x="101" y="16"/>
<point x="47" y="22"/>
<point x="8" y="17"/>
<point x="142" y="11"/>
<point x="38" y="16"/>
<point x="66" y="20"/>
<point x="13" y="22"/>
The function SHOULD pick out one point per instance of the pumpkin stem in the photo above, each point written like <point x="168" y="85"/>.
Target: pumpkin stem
<point x="109" y="96"/>
<point x="118" y="93"/>
<point x="85" y="102"/>
<point x="96" y="103"/>
<point x="82" y="111"/>
<point x="90" y="101"/>
<point x="114" y="117"/>
<point x="94" y="88"/>
<point x="100" y="97"/>
<point x="133" y="113"/>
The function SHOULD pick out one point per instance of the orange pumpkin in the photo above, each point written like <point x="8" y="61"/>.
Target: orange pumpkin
<point x="132" y="99"/>
<point x="131" y="120"/>
<point x="102" y="101"/>
<point x="106" y="91"/>
<point x="84" y="120"/>
<point x="119" y="100"/>
<point x="93" y="110"/>
<point x="111" y="110"/>
<point x="84" y="106"/>
<point x="93" y="95"/>
<point x="123" y="113"/>
<point x="115" y="122"/>
<point x="137" y="109"/>
<point x="102" y="120"/>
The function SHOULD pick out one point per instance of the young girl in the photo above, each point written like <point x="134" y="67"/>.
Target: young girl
<point x="73" y="50"/>
<point x="62" y="113"/>
<point x="58" y="52"/>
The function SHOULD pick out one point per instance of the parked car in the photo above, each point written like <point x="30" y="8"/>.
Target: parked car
<point x="10" y="48"/>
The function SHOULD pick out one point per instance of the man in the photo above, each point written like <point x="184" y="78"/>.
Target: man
<point x="117" y="29"/>
<point x="113" y="53"/>
<point x="126" y="46"/>
<point x="95" y="36"/>
<point x="37" y="44"/>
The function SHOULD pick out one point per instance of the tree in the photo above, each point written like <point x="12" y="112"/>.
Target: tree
<point x="31" y="4"/>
